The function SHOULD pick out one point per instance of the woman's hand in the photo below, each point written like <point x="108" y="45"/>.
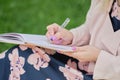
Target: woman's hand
<point x="49" y="51"/>
<point x="58" y="35"/>
<point x="84" y="53"/>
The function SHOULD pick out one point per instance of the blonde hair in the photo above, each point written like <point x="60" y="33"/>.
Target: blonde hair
<point x="118" y="2"/>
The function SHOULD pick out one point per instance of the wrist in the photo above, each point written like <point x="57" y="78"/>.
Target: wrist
<point x="70" y="38"/>
<point x="97" y="54"/>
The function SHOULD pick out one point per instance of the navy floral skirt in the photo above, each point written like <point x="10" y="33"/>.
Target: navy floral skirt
<point x="23" y="63"/>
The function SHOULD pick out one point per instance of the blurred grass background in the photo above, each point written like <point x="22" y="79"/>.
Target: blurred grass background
<point x="32" y="16"/>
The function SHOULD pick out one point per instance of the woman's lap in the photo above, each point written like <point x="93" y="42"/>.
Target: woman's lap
<point x="23" y="63"/>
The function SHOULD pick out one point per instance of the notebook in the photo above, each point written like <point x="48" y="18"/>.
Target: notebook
<point x="38" y="40"/>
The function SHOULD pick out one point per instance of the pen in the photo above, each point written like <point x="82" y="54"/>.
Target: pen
<point x="65" y="23"/>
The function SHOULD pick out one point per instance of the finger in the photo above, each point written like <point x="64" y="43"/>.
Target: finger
<point x="66" y="53"/>
<point x="49" y="51"/>
<point x="39" y="50"/>
<point x="58" y="38"/>
<point x="29" y="45"/>
<point x="52" y="29"/>
<point x="48" y="35"/>
<point x="73" y="54"/>
<point x="79" y="56"/>
<point x="82" y="60"/>
<point x="80" y="49"/>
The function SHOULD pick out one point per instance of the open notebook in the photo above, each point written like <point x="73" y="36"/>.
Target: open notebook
<point x="38" y="40"/>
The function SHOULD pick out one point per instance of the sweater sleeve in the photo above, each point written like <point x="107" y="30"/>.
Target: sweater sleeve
<point x="81" y="36"/>
<point x="110" y="69"/>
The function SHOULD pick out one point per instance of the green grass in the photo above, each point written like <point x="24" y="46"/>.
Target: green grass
<point x="32" y="16"/>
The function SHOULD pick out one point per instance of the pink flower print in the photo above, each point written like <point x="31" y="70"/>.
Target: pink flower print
<point x="41" y="53"/>
<point x="70" y="73"/>
<point x="83" y="65"/>
<point x="2" y="55"/>
<point x="116" y="11"/>
<point x="23" y="47"/>
<point x="72" y="64"/>
<point x="48" y="79"/>
<point x="16" y="65"/>
<point x="38" y="59"/>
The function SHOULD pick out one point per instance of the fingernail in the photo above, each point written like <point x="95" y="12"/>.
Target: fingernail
<point x="52" y="38"/>
<point x="73" y="48"/>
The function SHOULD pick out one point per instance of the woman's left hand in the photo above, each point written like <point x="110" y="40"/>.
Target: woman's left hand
<point x="84" y="53"/>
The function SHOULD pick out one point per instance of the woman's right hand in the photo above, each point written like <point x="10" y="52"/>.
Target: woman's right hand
<point x="59" y="35"/>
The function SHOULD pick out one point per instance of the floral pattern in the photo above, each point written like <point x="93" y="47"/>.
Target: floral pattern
<point x="70" y="73"/>
<point x="83" y="65"/>
<point x="116" y="11"/>
<point x="38" y="59"/>
<point x="80" y="65"/>
<point x="72" y="64"/>
<point x="17" y="60"/>
<point x="48" y="79"/>
<point x="23" y="47"/>
<point x="16" y="65"/>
